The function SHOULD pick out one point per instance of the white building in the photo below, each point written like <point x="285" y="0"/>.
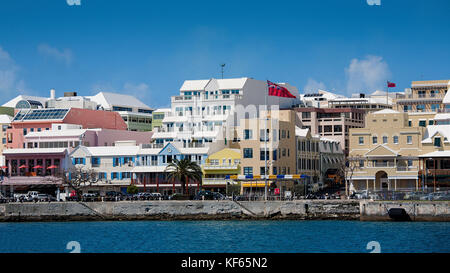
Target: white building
<point x="205" y="110"/>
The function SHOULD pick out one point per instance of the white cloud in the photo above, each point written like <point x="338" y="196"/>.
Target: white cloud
<point x="140" y="91"/>
<point x="64" y="55"/>
<point x="10" y="83"/>
<point x="368" y="74"/>
<point x="312" y="86"/>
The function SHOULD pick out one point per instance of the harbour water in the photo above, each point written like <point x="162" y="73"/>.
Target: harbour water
<point x="225" y="236"/>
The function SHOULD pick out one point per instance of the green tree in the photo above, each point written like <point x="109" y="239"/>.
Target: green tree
<point x="183" y="170"/>
<point x="132" y="189"/>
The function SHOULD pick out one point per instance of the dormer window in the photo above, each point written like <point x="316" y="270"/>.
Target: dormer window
<point x="437" y="142"/>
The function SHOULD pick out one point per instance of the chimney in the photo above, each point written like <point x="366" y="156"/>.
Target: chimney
<point x="70" y="94"/>
<point x="52" y="94"/>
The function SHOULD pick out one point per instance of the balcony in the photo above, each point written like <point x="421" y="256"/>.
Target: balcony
<point x="153" y="146"/>
<point x="214" y="181"/>
<point x="221" y="167"/>
<point x="419" y="97"/>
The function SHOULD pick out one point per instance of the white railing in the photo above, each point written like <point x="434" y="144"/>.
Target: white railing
<point x="220" y="167"/>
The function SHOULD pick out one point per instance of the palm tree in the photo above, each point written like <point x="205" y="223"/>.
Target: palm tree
<point x="183" y="170"/>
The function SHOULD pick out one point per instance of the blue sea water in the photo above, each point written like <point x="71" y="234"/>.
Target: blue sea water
<point x="225" y="236"/>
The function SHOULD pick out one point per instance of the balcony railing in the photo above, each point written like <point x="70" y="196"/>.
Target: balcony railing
<point x="220" y="167"/>
<point x="419" y="96"/>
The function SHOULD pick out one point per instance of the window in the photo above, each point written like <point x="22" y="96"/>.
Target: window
<point x="410" y="163"/>
<point x="95" y="161"/>
<point x="361" y="163"/>
<point x="247" y="134"/>
<point x="422" y="123"/>
<point x="409" y="123"/>
<point x="437" y="142"/>
<point x="114" y="176"/>
<point x="361" y="140"/>
<point x="262" y="171"/>
<point x="430" y="122"/>
<point x="395" y="139"/>
<point x="306" y="115"/>
<point x="434" y="107"/>
<point x="79" y="161"/>
<point x="409" y="139"/>
<point x="264" y="136"/>
<point x="274" y="155"/>
<point x="274" y="170"/>
<point x="385" y="139"/>
<point x="420" y="107"/>
<point x="248" y="153"/>
<point x="248" y="170"/>
<point x="337" y="128"/>
<point x="263" y="155"/>
<point x="374" y="139"/>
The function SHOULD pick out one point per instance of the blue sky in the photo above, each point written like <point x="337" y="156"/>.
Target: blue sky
<point x="148" y="48"/>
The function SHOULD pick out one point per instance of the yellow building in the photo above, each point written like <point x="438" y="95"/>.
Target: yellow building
<point x="385" y="154"/>
<point x="217" y="166"/>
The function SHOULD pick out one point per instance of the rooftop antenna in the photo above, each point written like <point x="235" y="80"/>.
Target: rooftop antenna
<point x="222" y="65"/>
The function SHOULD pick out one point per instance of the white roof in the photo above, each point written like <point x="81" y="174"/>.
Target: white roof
<point x="223" y="84"/>
<point x="5" y="119"/>
<point x="57" y="133"/>
<point x="442" y="116"/>
<point x="35" y="151"/>
<point x="329" y="139"/>
<point x="446" y="99"/>
<point x="113" y="150"/>
<point x="386" y="111"/>
<point x="108" y="100"/>
<point x="237" y="83"/>
<point x="432" y="130"/>
<point x="163" y="110"/>
<point x="194" y="85"/>
<point x="12" y="103"/>
<point x="437" y="154"/>
<point x="301" y="132"/>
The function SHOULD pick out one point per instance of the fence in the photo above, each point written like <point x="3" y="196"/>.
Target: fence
<point x="426" y="194"/>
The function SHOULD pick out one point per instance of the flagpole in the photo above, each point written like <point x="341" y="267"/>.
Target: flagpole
<point x="265" y="146"/>
<point x="387" y="92"/>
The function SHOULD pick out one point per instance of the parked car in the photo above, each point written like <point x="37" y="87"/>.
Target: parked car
<point x="90" y="197"/>
<point x="178" y="196"/>
<point x="156" y="195"/>
<point x="42" y="197"/>
<point x="113" y="196"/>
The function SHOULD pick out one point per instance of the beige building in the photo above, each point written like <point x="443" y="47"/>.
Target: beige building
<point x="331" y="123"/>
<point x="250" y="139"/>
<point x="385" y="154"/>
<point x="425" y="96"/>
<point x="318" y="159"/>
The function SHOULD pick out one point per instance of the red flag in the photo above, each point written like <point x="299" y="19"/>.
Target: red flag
<point x="279" y="91"/>
<point x="390" y="84"/>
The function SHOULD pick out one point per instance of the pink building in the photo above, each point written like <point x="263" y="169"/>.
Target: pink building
<point x="37" y="120"/>
<point x="70" y="136"/>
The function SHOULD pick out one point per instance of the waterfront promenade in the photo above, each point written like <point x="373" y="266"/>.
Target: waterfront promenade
<point x="223" y="210"/>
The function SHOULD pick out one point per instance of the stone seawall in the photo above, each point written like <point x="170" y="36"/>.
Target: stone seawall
<point x="222" y="210"/>
<point x="417" y="211"/>
<point x="179" y="210"/>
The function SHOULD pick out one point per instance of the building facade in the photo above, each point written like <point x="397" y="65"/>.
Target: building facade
<point x="385" y="155"/>
<point x="331" y="123"/>
<point x="425" y="96"/>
